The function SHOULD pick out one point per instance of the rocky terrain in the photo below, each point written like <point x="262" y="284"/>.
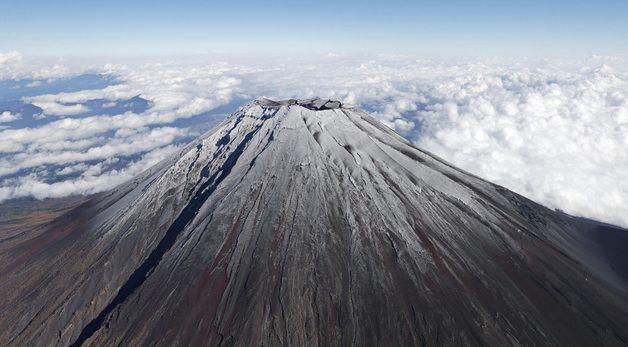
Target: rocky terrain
<point x="305" y="222"/>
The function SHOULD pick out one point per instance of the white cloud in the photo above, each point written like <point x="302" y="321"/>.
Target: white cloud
<point x="72" y="169"/>
<point x="556" y="137"/>
<point x="68" y="152"/>
<point x="93" y="179"/>
<point x="6" y="117"/>
<point x="58" y="109"/>
<point x="115" y="92"/>
<point x="402" y="125"/>
<point x="10" y="64"/>
<point x="14" y="66"/>
<point x="34" y="84"/>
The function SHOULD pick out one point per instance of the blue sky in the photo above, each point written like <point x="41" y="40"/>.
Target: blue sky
<point x="547" y="27"/>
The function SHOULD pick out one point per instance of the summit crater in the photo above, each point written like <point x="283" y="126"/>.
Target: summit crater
<point x="314" y="104"/>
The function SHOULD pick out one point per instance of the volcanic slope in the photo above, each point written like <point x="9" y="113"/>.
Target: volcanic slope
<point x="305" y="222"/>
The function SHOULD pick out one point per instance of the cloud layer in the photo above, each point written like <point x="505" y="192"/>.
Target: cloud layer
<point x="556" y="132"/>
<point x="14" y="66"/>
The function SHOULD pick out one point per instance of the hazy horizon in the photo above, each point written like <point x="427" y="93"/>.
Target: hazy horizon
<point x="452" y="28"/>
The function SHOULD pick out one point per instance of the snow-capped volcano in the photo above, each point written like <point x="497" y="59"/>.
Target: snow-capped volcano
<point x="305" y="222"/>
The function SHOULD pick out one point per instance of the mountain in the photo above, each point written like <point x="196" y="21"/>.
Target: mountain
<point x="305" y="222"/>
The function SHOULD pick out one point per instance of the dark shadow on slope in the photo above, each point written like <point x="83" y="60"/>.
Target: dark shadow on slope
<point x="612" y="242"/>
<point x="139" y="276"/>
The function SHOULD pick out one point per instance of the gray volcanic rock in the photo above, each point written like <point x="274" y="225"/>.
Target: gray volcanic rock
<point x="304" y="222"/>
